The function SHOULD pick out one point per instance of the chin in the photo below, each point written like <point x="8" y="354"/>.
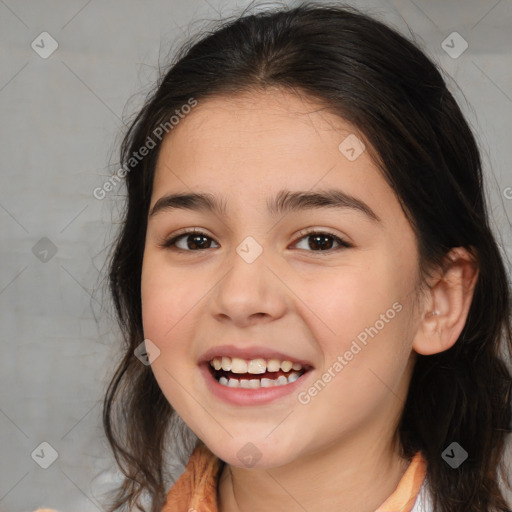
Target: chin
<point x="248" y="455"/>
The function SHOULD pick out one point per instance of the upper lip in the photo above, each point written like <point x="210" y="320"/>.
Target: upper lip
<point x="249" y="353"/>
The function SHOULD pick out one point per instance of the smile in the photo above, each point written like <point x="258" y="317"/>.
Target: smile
<point x="240" y="373"/>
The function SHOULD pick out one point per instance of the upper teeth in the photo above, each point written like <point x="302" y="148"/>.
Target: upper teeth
<point x="237" y="365"/>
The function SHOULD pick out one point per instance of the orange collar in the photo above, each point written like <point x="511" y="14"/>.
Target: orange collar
<point x="196" y="489"/>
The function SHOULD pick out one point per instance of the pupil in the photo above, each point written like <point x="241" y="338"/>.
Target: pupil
<point x="321" y="246"/>
<point x="194" y="238"/>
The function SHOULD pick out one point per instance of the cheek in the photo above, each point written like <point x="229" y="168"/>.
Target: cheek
<point x="167" y="296"/>
<point x="363" y="316"/>
<point x="350" y="299"/>
<point x="364" y="368"/>
<point x="164" y="304"/>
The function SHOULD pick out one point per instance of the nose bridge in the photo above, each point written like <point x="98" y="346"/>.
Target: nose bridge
<point x="247" y="264"/>
<point x="248" y="287"/>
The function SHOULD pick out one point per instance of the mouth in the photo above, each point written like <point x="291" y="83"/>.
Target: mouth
<point x="255" y="373"/>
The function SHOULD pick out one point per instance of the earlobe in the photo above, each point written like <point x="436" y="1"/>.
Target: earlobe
<point x="447" y="306"/>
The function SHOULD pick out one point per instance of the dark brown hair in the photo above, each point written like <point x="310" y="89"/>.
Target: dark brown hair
<point x="383" y="84"/>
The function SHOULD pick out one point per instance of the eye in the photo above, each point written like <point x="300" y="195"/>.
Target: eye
<point x="319" y="241"/>
<point x="195" y="241"/>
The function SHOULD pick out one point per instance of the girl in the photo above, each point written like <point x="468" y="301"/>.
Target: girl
<point x="306" y="277"/>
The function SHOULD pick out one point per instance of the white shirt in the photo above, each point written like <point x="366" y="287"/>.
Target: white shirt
<point x="423" y="502"/>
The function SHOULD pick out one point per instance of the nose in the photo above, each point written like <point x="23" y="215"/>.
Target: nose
<point x="250" y="291"/>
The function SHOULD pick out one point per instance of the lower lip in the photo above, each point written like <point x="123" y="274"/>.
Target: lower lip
<point x="248" y="396"/>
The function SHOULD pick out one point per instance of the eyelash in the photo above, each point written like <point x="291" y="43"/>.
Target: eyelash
<point x="169" y="243"/>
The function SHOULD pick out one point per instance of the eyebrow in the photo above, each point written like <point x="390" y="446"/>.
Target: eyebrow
<point x="284" y="202"/>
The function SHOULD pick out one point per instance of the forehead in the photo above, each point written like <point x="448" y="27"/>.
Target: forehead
<point x="254" y="142"/>
<point x="249" y="122"/>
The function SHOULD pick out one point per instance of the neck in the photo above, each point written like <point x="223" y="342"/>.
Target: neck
<point x="336" y="479"/>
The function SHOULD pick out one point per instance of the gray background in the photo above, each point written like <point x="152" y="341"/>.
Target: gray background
<point x="61" y="119"/>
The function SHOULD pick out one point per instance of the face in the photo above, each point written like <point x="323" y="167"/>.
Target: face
<point x="330" y="285"/>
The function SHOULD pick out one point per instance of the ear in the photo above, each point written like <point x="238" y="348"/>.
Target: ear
<point x="447" y="304"/>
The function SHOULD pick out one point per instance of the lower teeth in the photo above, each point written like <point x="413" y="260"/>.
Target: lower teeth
<point x="259" y="383"/>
